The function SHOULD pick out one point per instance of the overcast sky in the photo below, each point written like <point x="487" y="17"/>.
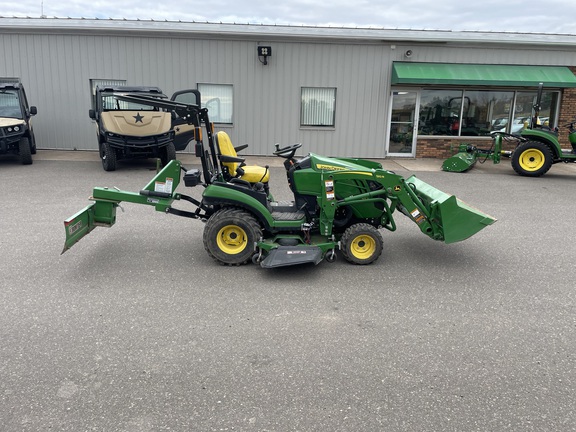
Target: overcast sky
<point x="545" y="16"/>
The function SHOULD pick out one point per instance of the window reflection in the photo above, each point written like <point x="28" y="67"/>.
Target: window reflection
<point x="479" y="112"/>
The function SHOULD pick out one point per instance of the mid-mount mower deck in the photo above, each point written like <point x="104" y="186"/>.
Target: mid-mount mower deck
<point x="339" y="204"/>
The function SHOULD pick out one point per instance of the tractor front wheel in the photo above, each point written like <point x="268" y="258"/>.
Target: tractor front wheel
<point x="229" y="236"/>
<point x="532" y="159"/>
<point x="361" y="244"/>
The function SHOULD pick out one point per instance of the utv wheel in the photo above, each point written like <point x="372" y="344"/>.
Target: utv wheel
<point x="361" y="244"/>
<point x="108" y="156"/>
<point x="33" y="141"/>
<point x="25" y="151"/>
<point x="532" y="159"/>
<point x="167" y="154"/>
<point x="229" y="236"/>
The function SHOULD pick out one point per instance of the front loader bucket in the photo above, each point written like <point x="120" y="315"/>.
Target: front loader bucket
<point x="455" y="219"/>
<point x="460" y="162"/>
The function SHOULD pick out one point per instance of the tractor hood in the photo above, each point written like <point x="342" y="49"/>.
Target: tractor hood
<point x="136" y="123"/>
<point x="6" y="121"/>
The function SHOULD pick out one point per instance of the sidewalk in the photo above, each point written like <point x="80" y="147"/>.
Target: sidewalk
<point x="392" y="164"/>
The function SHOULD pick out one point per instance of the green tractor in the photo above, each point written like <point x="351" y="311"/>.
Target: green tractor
<point x="339" y="204"/>
<point x="537" y="148"/>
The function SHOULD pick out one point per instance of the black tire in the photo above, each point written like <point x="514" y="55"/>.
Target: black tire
<point x="532" y="159"/>
<point x="230" y="234"/>
<point x="25" y="151"/>
<point x="108" y="156"/>
<point x="361" y="244"/>
<point x="33" y="141"/>
<point x="167" y="154"/>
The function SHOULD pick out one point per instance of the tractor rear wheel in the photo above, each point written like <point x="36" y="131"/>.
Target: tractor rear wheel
<point x="230" y="234"/>
<point x="532" y="159"/>
<point x="361" y="244"/>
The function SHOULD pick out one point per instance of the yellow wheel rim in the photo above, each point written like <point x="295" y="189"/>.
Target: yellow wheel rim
<point x="363" y="247"/>
<point x="531" y="160"/>
<point x="232" y="239"/>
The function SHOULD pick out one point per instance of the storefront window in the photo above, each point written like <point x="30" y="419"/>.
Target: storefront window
<point x="482" y="109"/>
<point x="440" y="112"/>
<point x="479" y="112"/>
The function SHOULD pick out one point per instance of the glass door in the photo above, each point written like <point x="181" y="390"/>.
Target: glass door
<point x="403" y="123"/>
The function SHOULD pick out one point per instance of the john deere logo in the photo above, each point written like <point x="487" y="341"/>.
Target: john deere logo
<point x="138" y="118"/>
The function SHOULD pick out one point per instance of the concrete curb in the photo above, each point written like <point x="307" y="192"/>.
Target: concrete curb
<point x="392" y="164"/>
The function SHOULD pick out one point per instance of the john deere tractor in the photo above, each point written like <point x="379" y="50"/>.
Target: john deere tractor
<point x="338" y="203"/>
<point x="537" y="148"/>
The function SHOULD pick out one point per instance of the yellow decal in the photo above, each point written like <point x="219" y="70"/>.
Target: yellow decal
<point x="397" y="188"/>
<point x="330" y="167"/>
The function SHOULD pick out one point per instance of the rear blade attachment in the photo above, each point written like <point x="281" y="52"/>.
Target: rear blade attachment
<point x="455" y="219"/>
<point x="99" y="213"/>
<point x="159" y="193"/>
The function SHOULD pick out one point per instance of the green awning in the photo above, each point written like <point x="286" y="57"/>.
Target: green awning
<point x="482" y="75"/>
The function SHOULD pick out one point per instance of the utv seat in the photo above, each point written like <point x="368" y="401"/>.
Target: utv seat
<point x="238" y="170"/>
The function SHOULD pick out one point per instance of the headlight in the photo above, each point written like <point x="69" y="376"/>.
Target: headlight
<point x="16" y="128"/>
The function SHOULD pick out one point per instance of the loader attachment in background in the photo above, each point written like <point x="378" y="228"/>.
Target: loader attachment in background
<point x="468" y="154"/>
<point x="461" y="161"/>
<point x="455" y="219"/>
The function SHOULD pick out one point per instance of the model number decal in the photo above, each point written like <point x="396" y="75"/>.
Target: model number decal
<point x="73" y="228"/>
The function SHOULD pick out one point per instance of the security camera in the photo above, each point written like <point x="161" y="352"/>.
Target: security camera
<point x="408" y="53"/>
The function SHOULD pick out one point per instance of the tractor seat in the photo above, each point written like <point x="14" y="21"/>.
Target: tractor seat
<point x="250" y="173"/>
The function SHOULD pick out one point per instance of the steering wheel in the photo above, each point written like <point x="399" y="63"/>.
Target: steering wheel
<point x="288" y="151"/>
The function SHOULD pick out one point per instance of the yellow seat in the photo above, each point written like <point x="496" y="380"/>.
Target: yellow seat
<point x="249" y="173"/>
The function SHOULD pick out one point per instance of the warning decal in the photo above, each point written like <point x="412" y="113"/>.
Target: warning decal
<point x="165" y="186"/>
<point x="418" y="217"/>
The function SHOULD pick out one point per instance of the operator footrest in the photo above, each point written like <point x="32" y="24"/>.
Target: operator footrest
<point x="284" y="256"/>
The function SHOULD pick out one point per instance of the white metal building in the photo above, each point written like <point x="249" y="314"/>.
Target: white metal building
<point x="340" y="91"/>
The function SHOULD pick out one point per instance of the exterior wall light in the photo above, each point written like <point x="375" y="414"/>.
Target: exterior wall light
<point x="263" y="53"/>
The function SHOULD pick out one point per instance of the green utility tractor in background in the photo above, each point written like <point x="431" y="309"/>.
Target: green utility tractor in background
<point x="339" y="203"/>
<point x="537" y="148"/>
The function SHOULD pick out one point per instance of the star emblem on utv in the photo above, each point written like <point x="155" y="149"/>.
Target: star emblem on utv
<point x="138" y="118"/>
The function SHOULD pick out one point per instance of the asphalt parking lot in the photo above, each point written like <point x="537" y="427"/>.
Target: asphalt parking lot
<point x="137" y="329"/>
